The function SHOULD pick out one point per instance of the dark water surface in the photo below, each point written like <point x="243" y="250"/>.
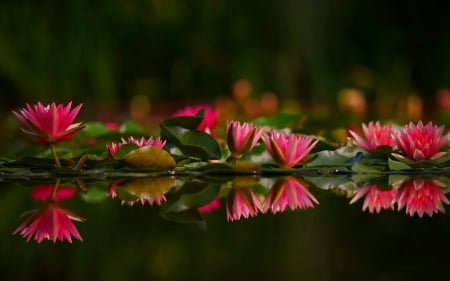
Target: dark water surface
<point x="127" y="238"/>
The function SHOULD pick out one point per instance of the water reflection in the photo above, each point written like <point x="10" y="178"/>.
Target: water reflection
<point x="192" y="199"/>
<point x="289" y="192"/>
<point x="142" y="190"/>
<point x="50" y="221"/>
<point x="417" y="195"/>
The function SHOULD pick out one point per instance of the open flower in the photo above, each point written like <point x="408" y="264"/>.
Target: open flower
<point x="241" y="138"/>
<point x="375" y="135"/>
<point x="50" y="222"/>
<point x="51" y="123"/>
<point x="375" y="199"/>
<point x="210" y="118"/>
<point x="113" y="148"/>
<point x="241" y="202"/>
<point x="288" y="192"/>
<point x="288" y="150"/>
<point x="421" y="196"/>
<point x="420" y="141"/>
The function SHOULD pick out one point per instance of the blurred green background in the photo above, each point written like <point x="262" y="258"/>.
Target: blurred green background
<point x="103" y="53"/>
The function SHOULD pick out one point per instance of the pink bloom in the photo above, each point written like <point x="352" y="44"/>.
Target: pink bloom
<point x="51" y="222"/>
<point x="113" y="148"/>
<point x="210" y="118"/>
<point x="375" y="200"/>
<point x="147" y="142"/>
<point x="288" y="192"/>
<point x="241" y="138"/>
<point x="241" y="202"/>
<point x="375" y="135"/>
<point x="44" y="192"/>
<point x="420" y="196"/>
<point x="50" y="124"/>
<point x="212" y="206"/>
<point x="288" y="150"/>
<point x="112" y="126"/>
<point x="418" y="142"/>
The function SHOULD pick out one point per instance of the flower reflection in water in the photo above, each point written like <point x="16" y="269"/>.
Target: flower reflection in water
<point x="212" y="206"/>
<point x="288" y="192"/>
<point x="51" y="221"/>
<point x="375" y="199"/>
<point x="420" y="196"/>
<point x="241" y="200"/>
<point x="144" y="190"/>
<point x="417" y="195"/>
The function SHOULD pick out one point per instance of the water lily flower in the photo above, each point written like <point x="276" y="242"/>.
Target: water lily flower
<point x="242" y="202"/>
<point x="241" y="138"/>
<point x="420" y="141"/>
<point x="288" y="150"/>
<point x="210" y="118"/>
<point x="375" y="199"/>
<point x="50" y="123"/>
<point x="375" y="135"/>
<point x="421" y="196"/>
<point x="113" y="148"/>
<point x="288" y="192"/>
<point x="50" y="222"/>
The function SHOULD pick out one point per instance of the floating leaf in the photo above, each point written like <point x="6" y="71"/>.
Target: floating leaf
<point x="149" y="157"/>
<point x="397" y="165"/>
<point x="188" y="122"/>
<point x="329" y="158"/>
<point x="360" y="168"/>
<point x="191" y="142"/>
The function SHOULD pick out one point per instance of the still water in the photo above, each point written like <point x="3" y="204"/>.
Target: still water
<point x="191" y="227"/>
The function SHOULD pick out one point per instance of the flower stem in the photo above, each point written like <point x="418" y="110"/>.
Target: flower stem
<point x="55" y="156"/>
<point x="55" y="188"/>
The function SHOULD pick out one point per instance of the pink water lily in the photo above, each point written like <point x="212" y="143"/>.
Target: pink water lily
<point x="422" y="197"/>
<point x="50" y="123"/>
<point x="420" y="141"/>
<point x="288" y="192"/>
<point x="210" y="118"/>
<point x="375" y="199"/>
<point x="242" y="202"/>
<point x="288" y="150"/>
<point x="375" y="135"/>
<point x="113" y="148"/>
<point x="50" y="222"/>
<point x="241" y="138"/>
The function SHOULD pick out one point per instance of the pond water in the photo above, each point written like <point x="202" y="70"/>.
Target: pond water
<point x="209" y="227"/>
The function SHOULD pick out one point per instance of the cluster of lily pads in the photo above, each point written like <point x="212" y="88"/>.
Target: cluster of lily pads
<point x="186" y="144"/>
<point x="142" y="168"/>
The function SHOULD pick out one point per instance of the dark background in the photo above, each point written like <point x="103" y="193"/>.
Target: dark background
<point x="104" y="53"/>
